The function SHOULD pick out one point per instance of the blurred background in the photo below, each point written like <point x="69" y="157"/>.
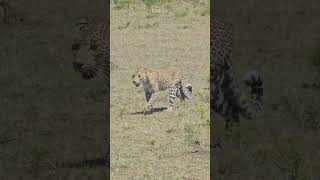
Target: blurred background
<point x="281" y="40"/>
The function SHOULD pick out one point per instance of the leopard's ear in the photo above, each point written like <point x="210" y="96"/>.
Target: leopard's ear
<point x="81" y="25"/>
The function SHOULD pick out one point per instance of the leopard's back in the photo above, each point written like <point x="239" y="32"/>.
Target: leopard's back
<point x="221" y="44"/>
<point x="168" y="76"/>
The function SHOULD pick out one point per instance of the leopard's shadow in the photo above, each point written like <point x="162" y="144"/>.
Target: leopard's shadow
<point x="154" y="110"/>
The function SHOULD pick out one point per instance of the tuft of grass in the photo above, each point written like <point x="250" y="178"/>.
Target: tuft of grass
<point x="191" y="135"/>
<point x="151" y="15"/>
<point x="205" y="11"/>
<point x="124" y="26"/>
<point x="148" y="25"/>
<point x="122" y="4"/>
<point x="152" y="142"/>
<point x="181" y="12"/>
<point x="114" y="66"/>
<point x="150" y="3"/>
<point x="169" y="131"/>
<point x="122" y="112"/>
<point x="201" y="111"/>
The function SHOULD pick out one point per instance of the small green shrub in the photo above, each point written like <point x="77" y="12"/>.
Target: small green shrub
<point x="181" y="12"/>
<point x="150" y="3"/>
<point x="201" y="111"/>
<point x="122" y="4"/>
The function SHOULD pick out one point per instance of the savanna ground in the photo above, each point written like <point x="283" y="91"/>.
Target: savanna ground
<point x="281" y="40"/>
<point x="163" y="145"/>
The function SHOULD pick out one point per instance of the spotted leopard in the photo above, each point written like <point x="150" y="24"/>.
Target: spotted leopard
<point x="91" y="50"/>
<point x="154" y="80"/>
<point x="226" y="98"/>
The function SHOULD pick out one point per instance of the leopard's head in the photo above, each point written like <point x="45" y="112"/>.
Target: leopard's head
<point x="140" y="76"/>
<point x="89" y="48"/>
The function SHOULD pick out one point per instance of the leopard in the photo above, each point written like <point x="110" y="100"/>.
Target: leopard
<point x="90" y="49"/>
<point x="90" y="52"/>
<point x="226" y="97"/>
<point x="156" y="79"/>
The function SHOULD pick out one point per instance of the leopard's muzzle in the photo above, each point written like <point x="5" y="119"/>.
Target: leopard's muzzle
<point x="136" y="83"/>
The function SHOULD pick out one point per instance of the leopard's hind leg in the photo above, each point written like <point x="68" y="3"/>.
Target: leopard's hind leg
<point x="172" y="95"/>
<point x="251" y="107"/>
<point x="184" y="92"/>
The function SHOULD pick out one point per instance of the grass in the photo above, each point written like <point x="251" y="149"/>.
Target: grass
<point x="150" y="3"/>
<point x="156" y="7"/>
<point x="181" y="12"/>
<point x="122" y="4"/>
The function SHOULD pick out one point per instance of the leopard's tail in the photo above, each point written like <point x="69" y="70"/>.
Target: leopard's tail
<point x="251" y="107"/>
<point x="184" y="92"/>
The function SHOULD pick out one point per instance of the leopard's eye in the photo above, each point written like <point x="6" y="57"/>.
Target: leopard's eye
<point x="75" y="46"/>
<point x="139" y="76"/>
<point x="93" y="47"/>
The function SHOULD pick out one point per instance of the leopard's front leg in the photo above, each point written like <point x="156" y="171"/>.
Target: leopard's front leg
<point x="148" y="95"/>
<point x="149" y="104"/>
